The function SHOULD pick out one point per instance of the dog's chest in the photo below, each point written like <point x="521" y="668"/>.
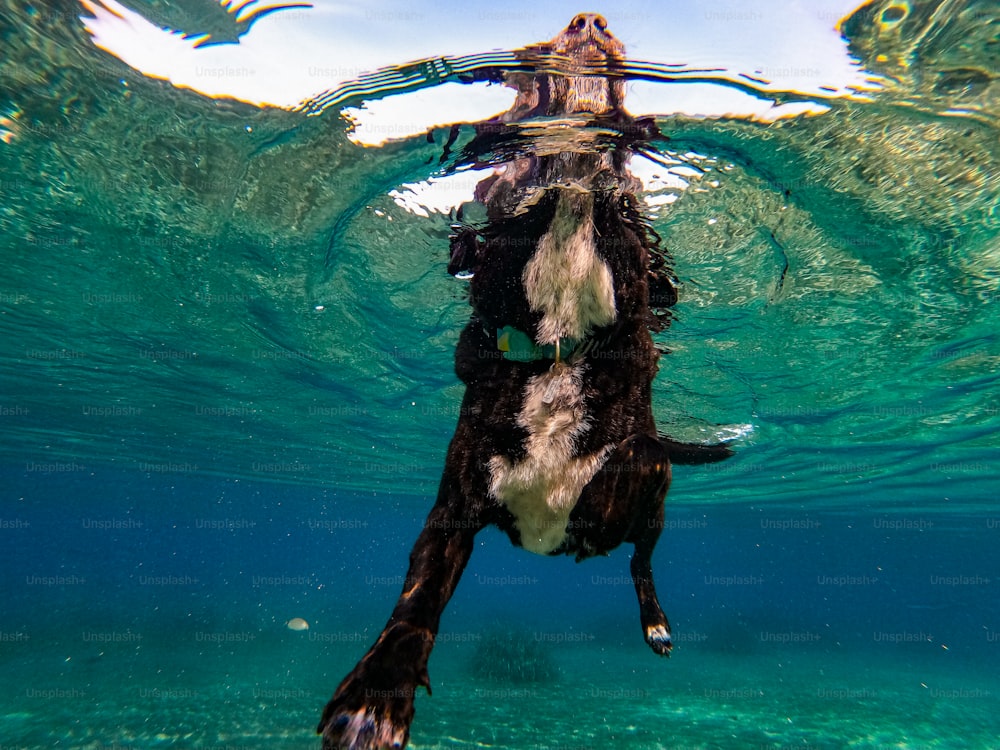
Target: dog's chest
<point x="541" y="489"/>
<point x="565" y="280"/>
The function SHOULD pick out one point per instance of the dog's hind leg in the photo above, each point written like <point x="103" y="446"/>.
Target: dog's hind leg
<point x="373" y="707"/>
<point x="624" y="503"/>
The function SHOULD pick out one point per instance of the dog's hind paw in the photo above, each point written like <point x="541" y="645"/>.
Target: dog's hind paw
<point x="658" y="638"/>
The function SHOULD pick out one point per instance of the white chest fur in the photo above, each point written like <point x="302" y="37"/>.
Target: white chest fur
<point x="565" y="279"/>
<point x="541" y="489"/>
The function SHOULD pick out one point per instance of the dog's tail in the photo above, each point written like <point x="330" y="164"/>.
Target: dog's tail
<point x="695" y="453"/>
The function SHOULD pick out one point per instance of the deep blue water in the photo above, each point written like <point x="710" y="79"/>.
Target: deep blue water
<point x="159" y="620"/>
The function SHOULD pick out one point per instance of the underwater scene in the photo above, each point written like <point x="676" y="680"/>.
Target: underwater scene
<point x="243" y="246"/>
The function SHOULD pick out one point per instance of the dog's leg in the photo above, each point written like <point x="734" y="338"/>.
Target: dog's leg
<point x="644" y="535"/>
<point x="373" y="707"/>
<point x="624" y="502"/>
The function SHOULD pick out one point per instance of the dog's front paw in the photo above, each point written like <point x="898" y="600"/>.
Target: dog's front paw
<point x="373" y="707"/>
<point x="658" y="638"/>
<point x="362" y="718"/>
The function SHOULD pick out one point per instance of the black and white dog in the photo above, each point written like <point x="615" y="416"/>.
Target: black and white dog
<point x="556" y="443"/>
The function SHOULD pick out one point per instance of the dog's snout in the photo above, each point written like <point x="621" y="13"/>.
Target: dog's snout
<point x="591" y="21"/>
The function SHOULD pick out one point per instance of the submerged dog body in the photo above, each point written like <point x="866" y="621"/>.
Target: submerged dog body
<point x="556" y="442"/>
<point x="560" y="283"/>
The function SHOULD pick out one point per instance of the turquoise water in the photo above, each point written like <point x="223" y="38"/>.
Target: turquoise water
<point x="227" y="392"/>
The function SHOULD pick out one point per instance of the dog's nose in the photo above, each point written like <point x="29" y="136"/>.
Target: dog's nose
<point x="589" y="22"/>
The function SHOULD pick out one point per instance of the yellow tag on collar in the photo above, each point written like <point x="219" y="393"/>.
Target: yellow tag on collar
<point x="518" y="346"/>
<point x="503" y="339"/>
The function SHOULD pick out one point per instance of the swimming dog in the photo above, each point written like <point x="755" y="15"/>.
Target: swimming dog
<point x="556" y="443"/>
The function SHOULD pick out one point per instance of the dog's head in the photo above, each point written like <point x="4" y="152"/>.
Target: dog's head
<point x="579" y="55"/>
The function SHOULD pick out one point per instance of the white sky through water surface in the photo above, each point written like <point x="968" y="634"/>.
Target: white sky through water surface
<point x="292" y="55"/>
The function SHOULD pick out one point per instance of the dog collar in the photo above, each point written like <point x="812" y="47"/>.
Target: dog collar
<point x="518" y="346"/>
